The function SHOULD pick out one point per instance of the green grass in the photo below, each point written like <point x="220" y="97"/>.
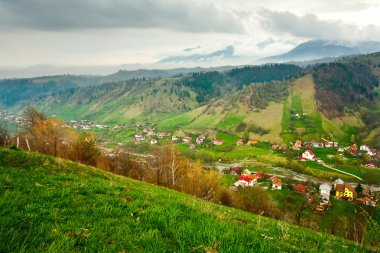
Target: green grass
<point x="51" y="205"/>
<point x="229" y="123"/>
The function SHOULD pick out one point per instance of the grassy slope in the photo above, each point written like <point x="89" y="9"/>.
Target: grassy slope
<point x="48" y="204"/>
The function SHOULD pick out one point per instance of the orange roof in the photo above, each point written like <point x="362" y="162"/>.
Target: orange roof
<point x="277" y="181"/>
<point x="350" y="188"/>
<point x="339" y="187"/>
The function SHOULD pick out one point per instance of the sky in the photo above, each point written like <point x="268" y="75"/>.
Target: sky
<point x="117" y="32"/>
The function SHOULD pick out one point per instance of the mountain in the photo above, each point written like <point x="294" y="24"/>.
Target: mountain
<point x="50" y="204"/>
<point x="339" y="99"/>
<point x="225" y="53"/>
<point x="319" y="49"/>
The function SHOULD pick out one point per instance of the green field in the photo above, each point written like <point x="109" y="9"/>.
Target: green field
<point x="52" y="205"/>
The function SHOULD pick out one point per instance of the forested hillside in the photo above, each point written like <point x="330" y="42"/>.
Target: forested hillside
<point x="344" y="88"/>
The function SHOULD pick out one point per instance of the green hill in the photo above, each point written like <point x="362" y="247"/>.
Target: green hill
<point x="52" y="205"/>
<point x="276" y="103"/>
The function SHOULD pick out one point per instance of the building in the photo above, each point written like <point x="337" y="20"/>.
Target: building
<point x="276" y="183"/>
<point x="218" y="142"/>
<point x="297" y="145"/>
<point x="338" y="181"/>
<point x="308" y="155"/>
<point x="324" y="193"/>
<point x="366" y="201"/>
<point x="300" y="188"/>
<point x="345" y="192"/>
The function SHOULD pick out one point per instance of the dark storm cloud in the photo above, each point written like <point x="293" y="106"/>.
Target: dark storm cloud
<point x="312" y="27"/>
<point x="62" y="15"/>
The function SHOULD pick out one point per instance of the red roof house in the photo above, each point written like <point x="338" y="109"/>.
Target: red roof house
<point x="300" y="188"/>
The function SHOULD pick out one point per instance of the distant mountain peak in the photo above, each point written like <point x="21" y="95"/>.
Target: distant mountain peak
<point x="222" y="53"/>
<point x="318" y="49"/>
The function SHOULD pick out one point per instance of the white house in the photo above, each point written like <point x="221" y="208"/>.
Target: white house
<point x="276" y="183"/>
<point x="308" y="155"/>
<point x="153" y="141"/>
<point x="364" y="148"/>
<point x="325" y="189"/>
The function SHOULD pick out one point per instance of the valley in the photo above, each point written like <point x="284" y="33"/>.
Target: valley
<point x="251" y="129"/>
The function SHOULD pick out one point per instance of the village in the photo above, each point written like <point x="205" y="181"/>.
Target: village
<point x="317" y="196"/>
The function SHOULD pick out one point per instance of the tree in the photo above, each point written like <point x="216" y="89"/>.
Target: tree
<point x="3" y="135"/>
<point x="32" y="116"/>
<point x="84" y="149"/>
<point x="359" y="189"/>
<point x="48" y="135"/>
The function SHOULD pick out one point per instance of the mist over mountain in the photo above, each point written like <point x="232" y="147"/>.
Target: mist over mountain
<point x="227" y="52"/>
<point x="318" y="49"/>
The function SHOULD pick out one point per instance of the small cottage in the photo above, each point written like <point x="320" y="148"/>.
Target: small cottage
<point x="276" y="183"/>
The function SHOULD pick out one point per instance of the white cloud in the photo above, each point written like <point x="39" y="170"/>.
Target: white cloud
<point x="310" y="26"/>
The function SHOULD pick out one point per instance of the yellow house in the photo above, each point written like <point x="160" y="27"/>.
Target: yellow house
<point x="345" y="192"/>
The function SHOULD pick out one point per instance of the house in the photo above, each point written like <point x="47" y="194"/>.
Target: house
<point x="325" y="189"/>
<point x="366" y="201"/>
<point x="252" y="142"/>
<point x="300" y="188"/>
<point x="153" y="141"/>
<point x="276" y="183"/>
<point x="202" y="136"/>
<point x="324" y="193"/>
<point x="239" y="142"/>
<point x="199" y="141"/>
<point x="186" y="139"/>
<point x="246" y="172"/>
<point x="297" y="145"/>
<point x="345" y="192"/>
<point x="236" y="170"/>
<point x="372" y="152"/>
<point x="364" y="148"/>
<point x="218" y="142"/>
<point x="259" y="175"/>
<point x="239" y="184"/>
<point x="246" y="180"/>
<point x="338" y="181"/>
<point x="370" y="165"/>
<point x="161" y="135"/>
<point x="308" y="155"/>
<point x="353" y="148"/>
<point x="174" y="138"/>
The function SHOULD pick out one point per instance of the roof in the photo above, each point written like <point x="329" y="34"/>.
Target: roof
<point x="277" y="181"/>
<point x="325" y="186"/>
<point x="364" y="199"/>
<point x="244" y="178"/>
<point x="350" y="188"/>
<point x="339" y="181"/>
<point x="310" y="152"/>
<point x="300" y="187"/>
<point x="340" y="187"/>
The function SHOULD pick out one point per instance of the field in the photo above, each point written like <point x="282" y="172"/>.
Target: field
<point x="52" y="205"/>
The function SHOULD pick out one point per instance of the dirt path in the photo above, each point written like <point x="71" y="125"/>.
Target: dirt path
<point x="341" y="171"/>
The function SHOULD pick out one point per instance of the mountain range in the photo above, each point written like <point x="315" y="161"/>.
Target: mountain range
<point x="341" y="99"/>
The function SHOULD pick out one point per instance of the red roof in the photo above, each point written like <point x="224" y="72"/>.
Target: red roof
<point x="310" y="152"/>
<point x="245" y="178"/>
<point x="300" y="188"/>
<point x="276" y="181"/>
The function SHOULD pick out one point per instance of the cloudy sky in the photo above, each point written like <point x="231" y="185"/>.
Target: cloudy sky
<point x="115" y="32"/>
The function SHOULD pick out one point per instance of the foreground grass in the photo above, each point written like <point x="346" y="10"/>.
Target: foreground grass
<point x="52" y="205"/>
